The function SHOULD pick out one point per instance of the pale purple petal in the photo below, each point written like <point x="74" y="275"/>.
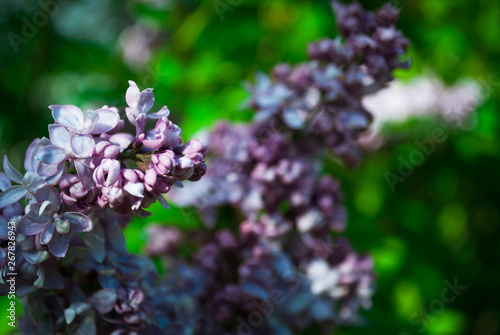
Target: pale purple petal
<point x="135" y="189"/>
<point x="47" y="207"/>
<point x="108" y="120"/>
<point x="48" y="193"/>
<point x="28" y="157"/>
<point x="12" y="173"/>
<point x="131" y="115"/>
<point x="89" y="123"/>
<point x="32" y="181"/>
<point x="163" y="112"/>
<point x="140" y="124"/>
<point x="13" y="210"/>
<point x="58" y="245"/>
<point x="51" y="155"/>
<point x="113" y="172"/>
<point x="122" y="140"/>
<point x="34" y="256"/>
<point x="79" y="222"/>
<point x="34" y="213"/>
<point x="67" y="115"/>
<point x="12" y="195"/>
<point x="47" y="233"/>
<point x="59" y="135"/>
<point x="27" y="227"/>
<point x="84" y="174"/>
<point x="4" y="182"/>
<point x="146" y="101"/>
<point x="61" y="170"/>
<point x="49" y="170"/>
<point x="133" y="95"/>
<point x="82" y="145"/>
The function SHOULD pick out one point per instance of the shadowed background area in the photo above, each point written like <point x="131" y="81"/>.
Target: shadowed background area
<point x="429" y="222"/>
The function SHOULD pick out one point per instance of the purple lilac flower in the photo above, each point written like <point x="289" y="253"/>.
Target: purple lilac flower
<point x="139" y="104"/>
<point x="44" y="218"/>
<point x="37" y="174"/>
<point x="72" y="137"/>
<point x="266" y="177"/>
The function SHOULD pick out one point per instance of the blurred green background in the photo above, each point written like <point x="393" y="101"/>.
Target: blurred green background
<point x="441" y="223"/>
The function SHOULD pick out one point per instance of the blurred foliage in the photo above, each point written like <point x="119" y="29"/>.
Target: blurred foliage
<point x="441" y="223"/>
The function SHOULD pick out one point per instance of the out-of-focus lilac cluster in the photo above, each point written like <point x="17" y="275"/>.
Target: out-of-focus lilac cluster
<point x="285" y="269"/>
<point x="321" y="98"/>
<point x="278" y="267"/>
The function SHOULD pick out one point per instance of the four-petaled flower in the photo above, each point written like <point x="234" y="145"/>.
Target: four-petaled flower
<point x="139" y="104"/>
<point x="72" y="137"/>
<point x="44" y="217"/>
<point x="37" y="174"/>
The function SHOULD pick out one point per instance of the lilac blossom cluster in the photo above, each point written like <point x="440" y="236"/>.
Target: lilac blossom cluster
<point x="279" y="266"/>
<point x="87" y="170"/>
<point x="322" y="97"/>
<point x="285" y="269"/>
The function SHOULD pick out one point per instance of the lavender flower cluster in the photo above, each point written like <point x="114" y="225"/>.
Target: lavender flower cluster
<point x="285" y="269"/>
<point x="322" y="97"/>
<point x="81" y="179"/>
<point x="280" y="266"/>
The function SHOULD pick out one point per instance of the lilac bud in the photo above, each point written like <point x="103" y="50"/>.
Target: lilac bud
<point x="165" y="134"/>
<point x="74" y="194"/>
<point x="195" y="151"/>
<point x="107" y="173"/>
<point x="164" y="163"/>
<point x="300" y="78"/>
<point x="184" y="169"/>
<point x="281" y="72"/>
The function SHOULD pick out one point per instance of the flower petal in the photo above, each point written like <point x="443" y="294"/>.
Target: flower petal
<point x="89" y="123"/>
<point x="108" y="120"/>
<point x="163" y="112"/>
<point x="34" y="256"/>
<point x="28" y="157"/>
<point x="33" y="213"/>
<point x="58" y="245"/>
<point x="113" y="172"/>
<point x="27" y="227"/>
<point x="12" y="173"/>
<point x="12" y="195"/>
<point x="84" y="174"/>
<point x="122" y="140"/>
<point x="47" y="233"/>
<point x="48" y="193"/>
<point x="59" y="135"/>
<point x="68" y="115"/>
<point x="4" y="182"/>
<point x="103" y="300"/>
<point x="61" y="170"/>
<point x="146" y="100"/>
<point x="49" y="170"/>
<point x="82" y="145"/>
<point x="51" y="155"/>
<point x="135" y="189"/>
<point x="32" y="181"/>
<point x="79" y="222"/>
<point x="133" y="94"/>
